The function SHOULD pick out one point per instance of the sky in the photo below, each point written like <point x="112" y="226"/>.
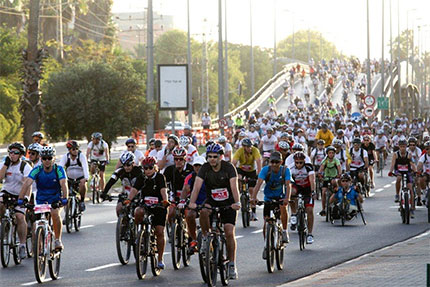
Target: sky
<point x="342" y="22"/>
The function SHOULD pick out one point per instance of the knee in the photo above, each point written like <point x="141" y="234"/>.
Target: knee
<point x="191" y="215"/>
<point x="159" y="231"/>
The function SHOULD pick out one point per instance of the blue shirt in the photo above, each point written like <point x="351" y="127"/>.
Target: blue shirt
<point x="274" y="188"/>
<point x="48" y="184"/>
<point x="351" y="196"/>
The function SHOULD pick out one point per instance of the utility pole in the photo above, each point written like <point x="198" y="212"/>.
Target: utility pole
<point x="203" y="72"/>
<point x="226" y="89"/>
<point x="309" y="45"/>
<point x="399" y="92"/>
<point x="391" y="64"/>
<point x="274" y="39"/>
<point x="220" y="66"/>
<point x="60" y="16"/>
<point x="190" y="74"/>
<point x="150" y="68"/>
<point x="252" y="49"/>
<point x="369" y="89"/>
<point x="383" y="59"/>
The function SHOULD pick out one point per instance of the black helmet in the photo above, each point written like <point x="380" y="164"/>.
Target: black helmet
<point x="412" y="140"/>
<point x="346" y="176"/>
<point x="18" y="146"/>
<point x="130" y="141"/>
<point x="402" y="142"/>
<point x="246" y="142"/>
<point x="356" y="141"/>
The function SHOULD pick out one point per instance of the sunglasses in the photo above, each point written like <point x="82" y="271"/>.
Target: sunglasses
<point x="412" y="145"/>
<point x="128" y="164"/>
<point x="275" y="161"/>
<point x="179" y="159"/>
<point x="131" y="146"/>
<point x="212" y="156"/>
<point x="14" y="152"/>
<point x="344" y="180"/>
<point x="73" y="148"/>
<point x="32" y="153"/>
<point x="148" y="167"/>
<point x="47" y="158"/>
<point x="300" y="162"/>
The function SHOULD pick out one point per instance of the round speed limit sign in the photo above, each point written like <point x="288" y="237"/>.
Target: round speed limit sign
<point x="368" y="112"/>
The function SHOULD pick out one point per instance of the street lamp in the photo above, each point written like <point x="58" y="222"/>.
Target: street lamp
<point x="407" y="43"/>
<point x="252" y="49"/>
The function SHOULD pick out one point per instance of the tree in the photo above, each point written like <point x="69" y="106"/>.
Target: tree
<point x="88" y="97"/>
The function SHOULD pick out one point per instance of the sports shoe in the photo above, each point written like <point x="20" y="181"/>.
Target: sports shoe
<point x="22" y="251"/>
<point x="193" y="246"/>
<point x="82" y="206"/>
<point x="293" y="219"/>
<point x="322" y="212"/>
<point x="396" y="198"/>
<point x="285" y="237"/>
<point x="419" y="203"/>
<point x="58" y="245"/>
<point x="161" y="265"/>
<point x="232" y="271"/>
<point x="254" y="216"/>
<point x="412" y="214"/>
<point x="264" y="253"/>
<point x="310" y="239"/>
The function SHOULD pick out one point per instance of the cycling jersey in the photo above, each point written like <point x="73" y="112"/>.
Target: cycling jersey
<point x="330" y="167"/>
<point x="380" y="142"/>
<point x="138" y="156"/>
<point x="370" y="148"/>
<point x="327" y="137"/>
<point x="175" y="178"/>
<point x="425" y="160"/>
<point x="416" y="154"/>
<point x="289" y="162"/>
<point x="189" y="180"/>
<point x="351" y="195"/>
<point x="301" y="176"/>
<point x="253" y="136"/>
<point x="357" y="158"/>
<point x="247" y="161"/>
<point x="274" y="187"/>
<point x="74" y="170"/>
<point x="317" y="156"/>
<point x="342" y="157"/>
<point x="150" y="187"/>
<point x="228" y="148"/>
<point x="311" y="134"/>
<point x="402" y="163"/>
<point x="98" y="151"/>
<point x="269" y="143"/>
<point x="128" y="179"/>
<point x="14" y="177"/>
<point x="48" y="183"/>
<point x="192" y="153"/>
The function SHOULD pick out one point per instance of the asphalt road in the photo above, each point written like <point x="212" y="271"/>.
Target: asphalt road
<point x="90" y="259"/>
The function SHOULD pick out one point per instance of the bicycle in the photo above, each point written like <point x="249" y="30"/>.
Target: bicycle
<point x="215" y="250"/>
<point x="381" y="162"/>
<point x="95" y="181"/>
<point x="427" y="199"/>
<point x="302" y="221"/>
<point x="244" y="201"/>
<point x="147" y="244"/>
<point x="343" y="210"/>
<point x="73" y="215"/>
<point x="9" y="233"/>
<point x="274" y="247"/>
<point x="44" y="251"/>
<point x="180" y="240"/>
<point x="328" y="193"/>
<point x="404" y="200"/>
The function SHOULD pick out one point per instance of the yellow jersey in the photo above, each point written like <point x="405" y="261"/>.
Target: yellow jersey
<point x="247" y="161"/>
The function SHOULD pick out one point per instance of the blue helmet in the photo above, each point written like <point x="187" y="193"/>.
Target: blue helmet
<point x="215" y="148"/>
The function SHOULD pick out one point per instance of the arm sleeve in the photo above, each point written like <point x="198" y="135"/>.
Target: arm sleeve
<point x="109" y="184"/>
<point x="61" y="173"/>
<point x="263" y="173"/>
<point x="63" y="160"/>
<point x="84" y="163"/>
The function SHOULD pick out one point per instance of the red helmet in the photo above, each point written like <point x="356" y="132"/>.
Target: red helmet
<point x="179" y="152"/>
<point x="72" y="144"/>
<point x="150" y="160"/>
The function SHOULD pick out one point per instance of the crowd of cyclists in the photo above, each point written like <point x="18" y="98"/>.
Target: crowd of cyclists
<point x="315" y="150"/>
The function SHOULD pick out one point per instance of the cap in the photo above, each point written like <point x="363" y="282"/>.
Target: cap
<point x="276" y="155"/>
<point x="199" y="160"/>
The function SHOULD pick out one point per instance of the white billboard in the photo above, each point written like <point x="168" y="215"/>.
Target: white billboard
<point x="173" y="87"/>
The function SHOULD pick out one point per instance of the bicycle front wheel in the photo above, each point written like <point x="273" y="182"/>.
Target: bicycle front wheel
<point x="123" y="245"/>
<point x="69" y="216"/>
<point x="407" y="207"/>
<point x="245" y="210"/>
<point x="54" y="261"/>
<point x="211" y="261"/>
<point x="5" y="243"/>
<point x="270" y="248"/>
<point x="301" y="229"/>
<point x="40" y="258"/>
<point x="15" y="245"/>
<point x="29" y="240"/>
<point x="202" y="256"/>
<point x="176" y="238"/>
<point x="142" y="254"/>
<point x="223" y="263"/>
<point x="279" y="250"/>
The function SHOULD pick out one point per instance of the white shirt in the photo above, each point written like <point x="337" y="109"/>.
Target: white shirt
<point x="289" y="162"/>
<point x="269" y="143"/>
<point x="416" y="154"/>
<point x="14" y="178"/>
<point x="254" y="136"/>
<point x="425" y="160"/>
<point x="312" y="133"/>
<point x="380" y="142"/>
<point x="318" y="156"/>
<point x="357" y="161"/>
<point x="169" y="159"/>
<point x="228" y="148"/>
<point x="192" y="153"/>
<point x="138" y="156"/>
<point x="95" y="150"/>
<point x="75" y="171"/>
<point x="206" y="121"/>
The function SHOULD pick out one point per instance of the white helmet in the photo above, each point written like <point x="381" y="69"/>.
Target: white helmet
<point x="284" y="145"/>
<point x="222" y="139"/>
<point x="127" y="157"/>
<point x="184" y="141"/>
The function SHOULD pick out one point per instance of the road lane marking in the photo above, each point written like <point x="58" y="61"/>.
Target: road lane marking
<point x="103" y="267"/>
<point x="393" y="182"/>
<point x="35" y="282"/>
<point x="379" y="190"/>
<point x="87" y="226"/>
<point x="113" y="221"/>
<point x="416" y="207"/>
<point x="371" y="194"/>
<point x="239" y="236"/>
<point x="257" y="231"/>
<point x="166" y="253"/>
<point x="387" y="185"/>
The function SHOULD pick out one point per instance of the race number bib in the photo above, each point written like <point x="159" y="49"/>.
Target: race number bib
<point x="150" y="200"/>
<point x="42" y="208"/>
<point x="178" y="193"/>
<point x="219" y="194"/>
<point x="403" y="167"/>
<point x="266" y="154"/>
<point x="246" y="167"/>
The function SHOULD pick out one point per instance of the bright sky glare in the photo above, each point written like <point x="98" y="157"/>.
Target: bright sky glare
<point x="340" y="21"/>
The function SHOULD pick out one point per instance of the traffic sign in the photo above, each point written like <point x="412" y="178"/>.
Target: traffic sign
<point x="368" y="112"/>
<point x="383" y="103"/>
<point x="222" y="123"/>
<point x="369" y="100"/>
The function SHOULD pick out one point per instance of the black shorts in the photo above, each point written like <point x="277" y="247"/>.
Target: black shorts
<point x="307" y="194"/>
<point x="267" y="207"/>
<point x="251" y="175"/>
<point x="228" y="215"/>
<point x="160" y="216"/>
<point x="101" y="164"/>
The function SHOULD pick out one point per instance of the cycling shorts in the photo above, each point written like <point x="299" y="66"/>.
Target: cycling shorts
<point x="306" y="192"/>
<point x="251" y="175"/>
<point x="160" y="216"/>
<point x="409" y="177"/>
<point x="101" y="164"/>
<point x="228" y="216"/>
<point x="18" y="209"/>
<point x="267" y="207"/>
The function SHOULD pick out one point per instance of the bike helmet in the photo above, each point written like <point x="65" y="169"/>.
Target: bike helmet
<point x="97" y="135"/>
<point x="72" y="144"/>
<point x="187" y="127"/>
<point x="330" y="148"/>
<point x="18" y="146"/>
<point x="47" y="151"/>
<point x="179" y="152"/>
<point x="242" y="134"/>
<point x="246" y="142"/>
<point x="151" y="141"/>
<point x="403" y="142"/>
<point x="214" y="148"/>
<point x="130" y="141"/>
<point x="399" y="130"/>
<point x="346" y="176"/>
<point x="270" y="129"/>
<point x="339" y="132"/>
<point x="380" y="132"/>
<point x="427" y="144"/>
<point x="37" y="134"/>
<point x="127" y="158"/>
<point x="150" y="160"/>
<point x="35" y="147"/>
<point x="412" y="140"/>
<point x="222" y="139"/>
<point x="337" y="142"/>
<point x="184" y="141"/>
<point x="285" y="135"/>
<point x="324" y="126"/>
<point x="299" y="155"/>
<point x="158" y="143"/>
<point x="426" y="138"/>
<point x="320" y="142"/>
<point x="298" y="147"/>
<point x="356" y="141"/>
<point x="209" y="142"/>
<point x="173" y="137"/>
<point x="283" y="145"/>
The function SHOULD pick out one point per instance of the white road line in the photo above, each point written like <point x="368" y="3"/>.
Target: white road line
<point x="387" y="185"/>
<point x="394" y="206"/>
<point x="35" y="282"/>
<point x="103" y="267"/>
<point x="165" y="253"/>
<point x="260" y="206"/>
<point x="371" y="194"/>
<point x="87" y="226"/>
<point x="113" y="221"/>
<point x="393" y="182"/>
<point x="379" y="190"/>
<point x="239" y="236"/>
<point x="257" y="231"/>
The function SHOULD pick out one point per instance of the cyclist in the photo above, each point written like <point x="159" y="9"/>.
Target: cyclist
<point x="396" y="138"/>
<point x="304" y="183"/>
<point x="132" y="147"/>
<point x="325" y="134"/>
<point x="381" y="143"/>
<point x="289" y="162"/>
<point x="368" y="146"/>
<point x="34" y="154"/>
<point x="284" y="148"/>
<point x="340" y="135"/>
<point x="351" y="195"/>
<point x="220" y="178"/>
<point x="14" y="171"/>
<point x="341" y="155"/>
<point x="318" y="154"/>
<point x="158" y="145"/>
<point x="175" y="177"/>
<point x="127" y="173"/>
<point x="189" y="133"/>
<point x="191" y="215"/>
<point x="359" y="160"/>
<point x="76" y="166"/>
<point x="311" y="133"/>
<point x="151" y="147"/>
<point x="424" y="169"/>
<point x="37" y="137"/>
<point x="331" y="169"/>
<point x="153" y="190"/>
<point x="52" y="187"/>
<point x="164" y="156"/>
<point x="278" y="186"/>
<point x="98" y="151"/>
<point x="249" y="159"/>
<point x="416" y="153"/>
<point x="253" y="135"/>
<point x="191" y="150"/>
<point x="222" y="140"/>
<point x="268" y="142"/>
<point x="306" y="93"/>
<point x="402" y="163"/>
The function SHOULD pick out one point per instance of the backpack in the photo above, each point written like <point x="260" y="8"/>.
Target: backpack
<point x="269" y="174"/>
<point x="352" y="154"/>
<point x="316" y="153"/>
<point x="78" y="162"/>
<point x="341" y="156"/>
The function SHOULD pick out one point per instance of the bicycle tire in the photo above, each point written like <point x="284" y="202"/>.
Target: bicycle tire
<point x="360" y="209"/>
<point x="40" y="259"/>
<point x="154" y="265"/>
<point x="407" y="207"/>
<point x="123" y="247"/>
<point x="202" y="256"/>
<point x="77" y="218"/>
<point x="29" y="240"/>
<point x="15" y="245"/>
<point x="176" y="245"/>
<point x="142" y="255"/>
<point x="68" y="216"/>
<point x="54" y="262"/>
<point x="223" y="262"/>
<point x="279" y="251"/>
<point x="244" y="210"/>
<point x="93" y="189"/>
<point x="301" y="229"/>
<point x="327" y="205"/>
<point x="186" y="255"/>
<point x="5" y="244"/>
<point x="270" y="247"/>
<point x="211" y="261"/>
<point x="428" y="205"/>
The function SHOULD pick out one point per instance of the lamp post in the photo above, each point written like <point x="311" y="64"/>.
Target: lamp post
<point x="368" y="53"/>
<point x="274" y="38"/>
<point x="407" y="44"/>
<point x="383" y="59"/>
<point x="150" y="68"/>
<point x="226" y="89"/>
<point x="252" y="49"/>
<point x="391" y="65"/>
<point x="190" y="74"/>
<point x="399" y="92"/>
<point x="220" y="66"/>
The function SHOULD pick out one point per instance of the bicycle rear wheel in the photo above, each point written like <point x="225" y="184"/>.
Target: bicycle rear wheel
<point x="279" y="250"/>
<point x="245" y="210"/>
<point x="360" y="209"/>
<point x="93" y="189"/>
<point x="29" y="240"/>
<point x="223" y="263"/>
<point x="202" y="256"/>
<point x="142" y="254"/>
<point x="54" y="262"/>
<point x="40" y="258"/>
<point x="407" y="207"/>
<point x="176" y="238"/>
<point x="301" y="229"/>
<point x="327" y="205"/>
<point x="270" y="248"/>
<point x="15" y="245"/>
<point x="123" y="245"/>
<point x="211" y="261"/>
<point x="5" y="243"/>
<point x="186" y="255"/>
<point x="69" y="216"/>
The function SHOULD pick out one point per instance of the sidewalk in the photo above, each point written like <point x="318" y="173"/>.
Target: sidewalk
<point x="402" y="264"/>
